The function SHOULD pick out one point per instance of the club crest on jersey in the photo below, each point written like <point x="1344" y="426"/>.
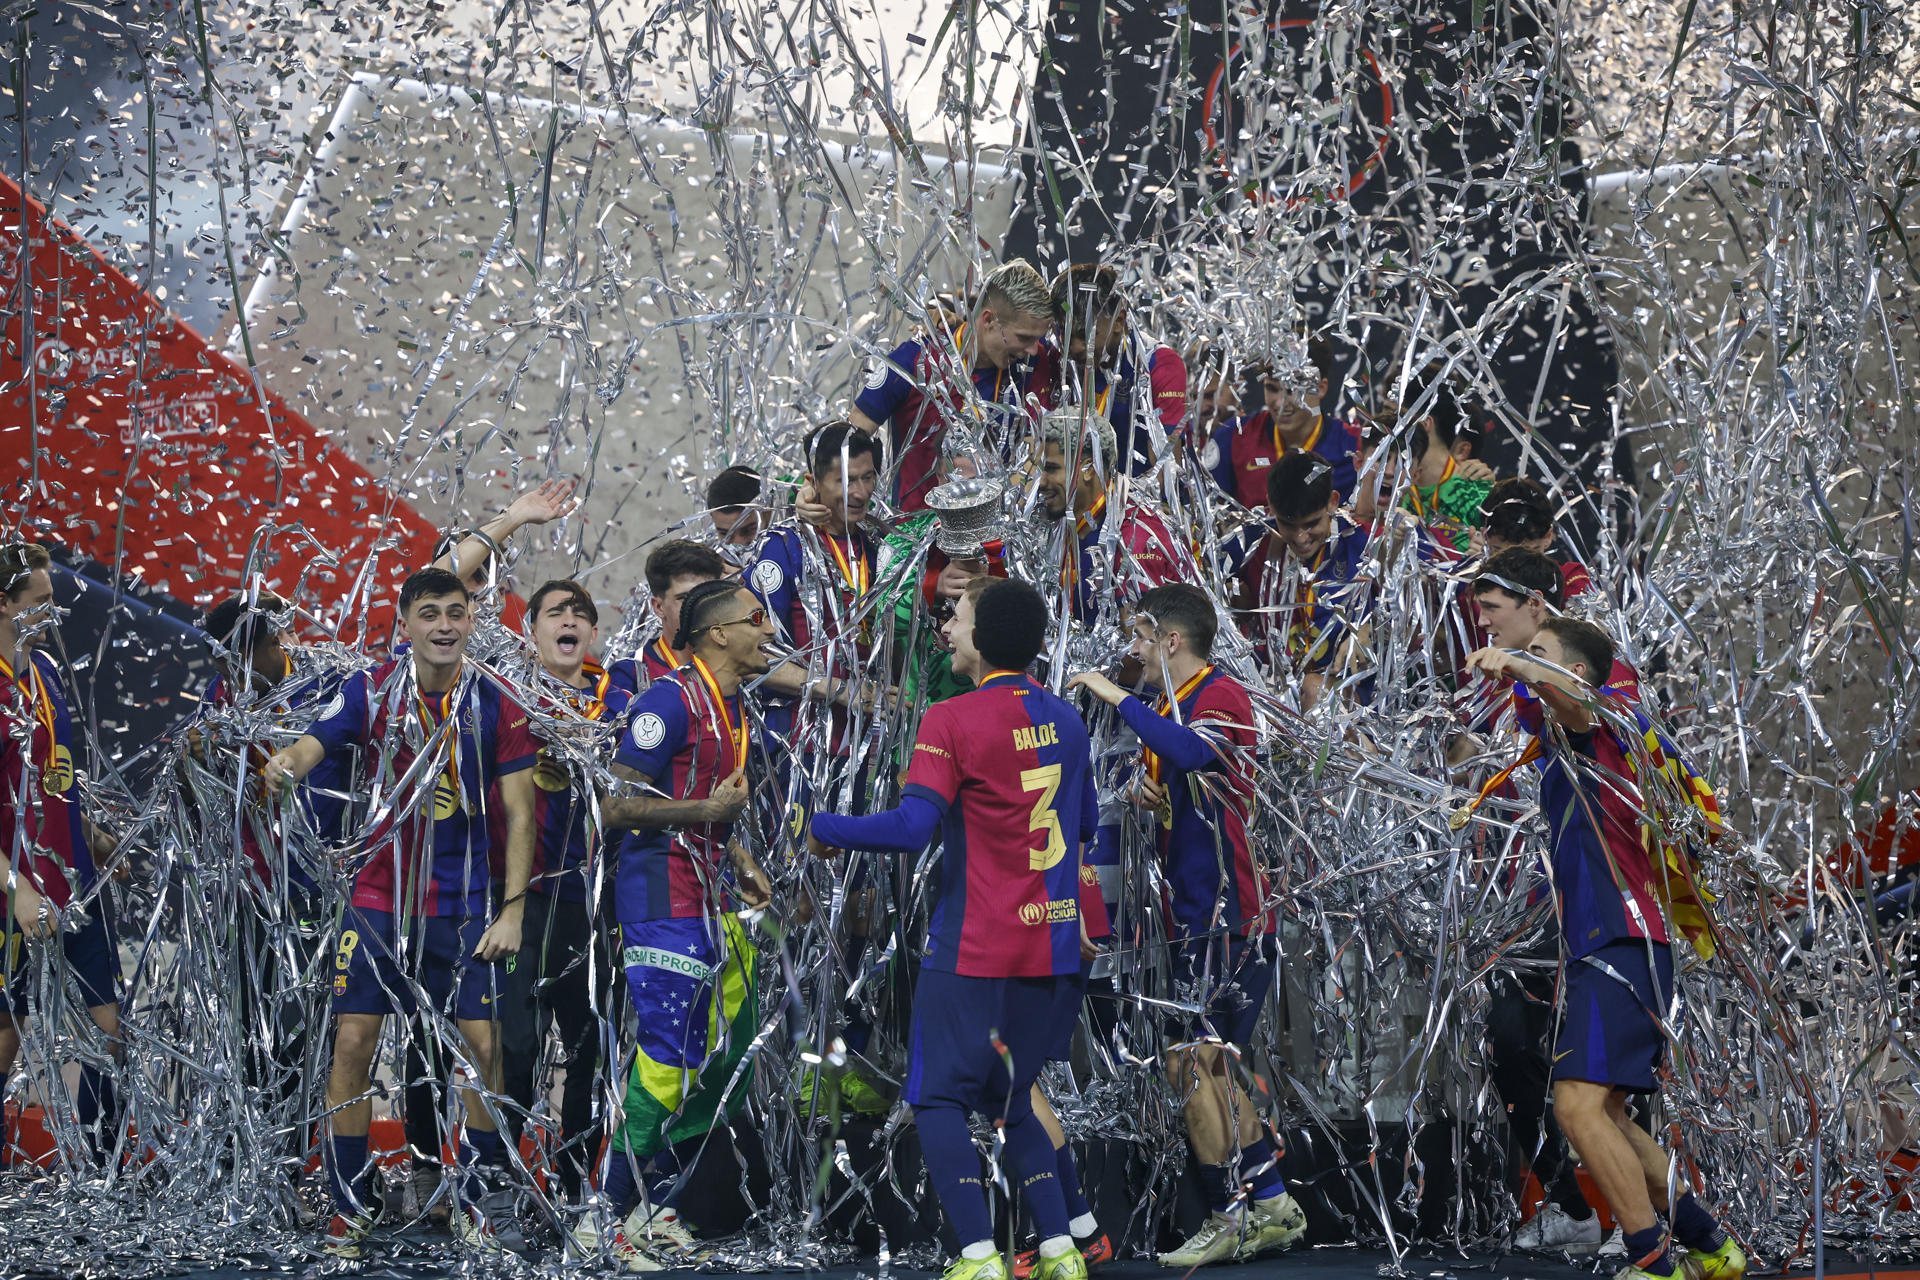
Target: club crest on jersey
<point x="649" y="731"/>
<point x="335" y="705"/>
<point x="1210" y="456"/>
<point x="877" y="377"/>
<point x="768" y="577"/>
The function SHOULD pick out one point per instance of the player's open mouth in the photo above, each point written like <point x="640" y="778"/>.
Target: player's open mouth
<point x="568" y="645"/>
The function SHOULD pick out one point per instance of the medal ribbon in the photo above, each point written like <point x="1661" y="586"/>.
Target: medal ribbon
<point x="1165" y="707"/>
<point x="736" y="733"/>
<point x="453" y="745"/>
<point x="1300" y="631"/>
<point x="596" y="706"/>
<point x="1280" y="449"/>
<point x="1413" y="491"/>
<point x="1082" y="525"/>
<point x="42" y="705"/>
<point x="854" y="568"/>
<point x="999" y="375"/>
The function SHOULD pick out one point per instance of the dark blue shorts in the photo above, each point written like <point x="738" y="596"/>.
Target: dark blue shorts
<point x="1229" y="980"/>
<point x="951" y="1056"/>
<point x="92" y="960"/>
<point x="1060" y="1042"/>
<point x="1610" y="1030"/>
<point x="376" y="971"/>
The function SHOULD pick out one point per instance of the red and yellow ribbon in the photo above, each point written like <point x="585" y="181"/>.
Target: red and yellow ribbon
<point x="1165" y="707"/>
<point x="736" y="732"/>
<point x="50" y="765"/>
<point x="452" y="776"/>
<point x="1082" y="525"/>
<point x="1413" y="491"/>
<point x="1459" y="817"/>
<point x="1300" y="635"/>
<point x="595" y="706"/>
<point x="853" y="566"/>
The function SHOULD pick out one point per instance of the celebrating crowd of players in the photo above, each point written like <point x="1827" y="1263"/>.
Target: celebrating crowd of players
<point x="472" y="832"/>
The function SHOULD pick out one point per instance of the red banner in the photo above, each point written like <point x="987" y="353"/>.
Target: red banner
<point x="129" y="438"/>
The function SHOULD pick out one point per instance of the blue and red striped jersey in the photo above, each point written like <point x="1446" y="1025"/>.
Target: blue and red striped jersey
<point x="1603" y="874"/>
<point x="842" y="628"/>
<point x="1011" y="771"/>
<point x="562" y="862"/>
<point x="429" y="859"/>
<point x="632" y="675"/>
<point x="1159" y="383"/>
<point x="1215" y="885"/>
<point x="1143" y="554"/>
<point x="39" y="788"/>
<point x="917" y="389"/>
<point x="685" y="739"/>
<point x="1243" y="450"/>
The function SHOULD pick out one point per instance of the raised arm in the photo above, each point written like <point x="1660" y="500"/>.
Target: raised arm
<point x="1565" y="698"/>
<point x="1179" y="745"/>
<point x="547" y="503"/>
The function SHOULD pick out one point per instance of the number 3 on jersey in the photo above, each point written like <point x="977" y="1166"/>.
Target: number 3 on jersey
<point x="1045" y="780"/>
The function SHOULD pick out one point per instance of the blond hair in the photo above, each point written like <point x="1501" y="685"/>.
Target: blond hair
<point x="1018" y="288"/>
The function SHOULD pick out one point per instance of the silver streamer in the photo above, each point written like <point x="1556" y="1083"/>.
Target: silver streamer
<point x="484" y="246"/>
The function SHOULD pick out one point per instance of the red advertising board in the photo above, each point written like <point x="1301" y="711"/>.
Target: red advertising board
<point x="127" y="437"/>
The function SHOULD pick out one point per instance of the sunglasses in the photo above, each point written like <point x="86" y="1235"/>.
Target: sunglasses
<point x="755" y="619"/>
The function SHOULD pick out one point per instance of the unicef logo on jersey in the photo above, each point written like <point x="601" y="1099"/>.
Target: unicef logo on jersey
<point x="767" y="577"/>
<point x="649" y="731"/>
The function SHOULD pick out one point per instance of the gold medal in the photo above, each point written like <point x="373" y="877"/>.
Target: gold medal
<point x="57" y="779"/>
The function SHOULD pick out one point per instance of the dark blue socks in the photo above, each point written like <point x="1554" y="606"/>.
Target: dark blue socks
<point x="1260" y="1169"/>
<point x="1032" y="1163"/>
<point x="1069" y="1177"/>
<point x="946" y="1146"/>
<point x="1694" y="1227"/>
<point x="346" y="1167"/>
<point x="621" y="1188"/>
<point x="1648" y="1251"/>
